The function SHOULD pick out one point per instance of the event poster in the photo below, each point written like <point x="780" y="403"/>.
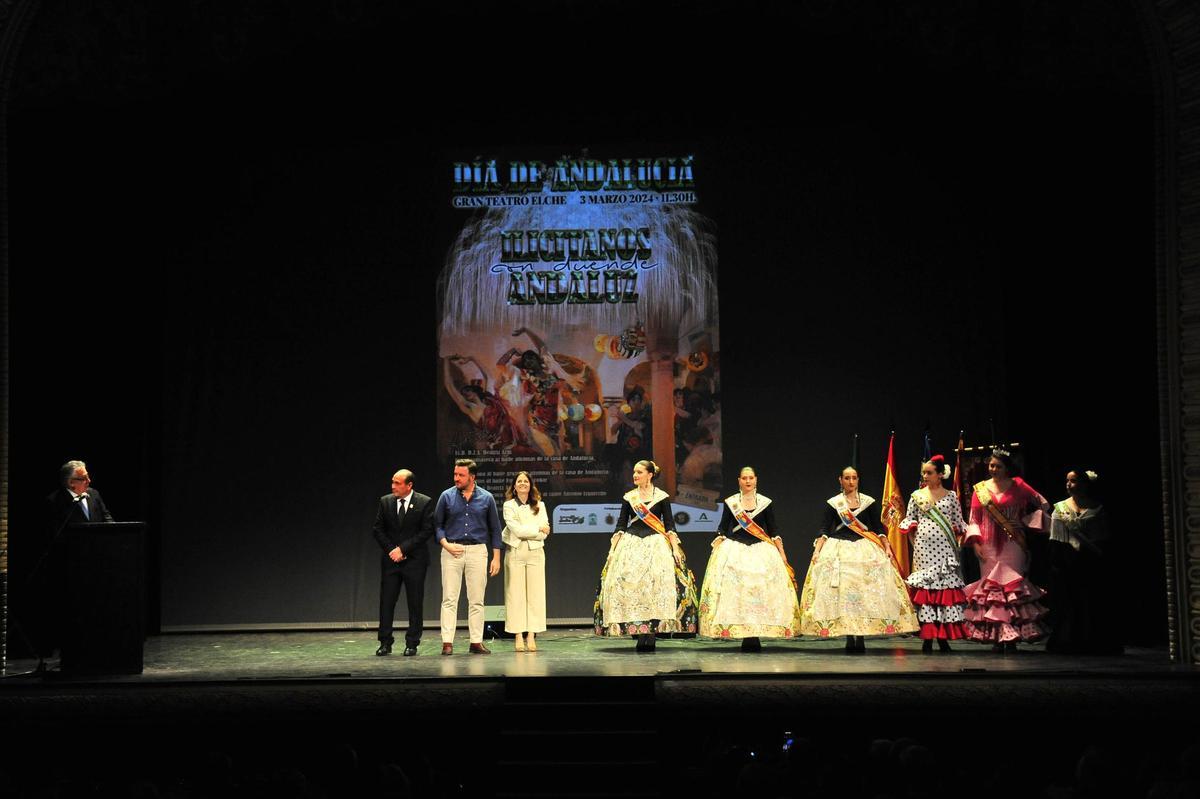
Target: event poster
<point x="578" y="332"/>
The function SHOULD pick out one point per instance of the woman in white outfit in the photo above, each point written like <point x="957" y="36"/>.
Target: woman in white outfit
<point x="526" y="526"/>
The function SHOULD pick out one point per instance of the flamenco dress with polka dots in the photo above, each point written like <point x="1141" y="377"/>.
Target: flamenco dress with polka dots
<point x="936" y="583"/>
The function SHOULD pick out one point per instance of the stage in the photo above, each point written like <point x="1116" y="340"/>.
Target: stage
<point x="696" y="674"/>
<point x="580" y="704"/>
<point x="349" y="656"/>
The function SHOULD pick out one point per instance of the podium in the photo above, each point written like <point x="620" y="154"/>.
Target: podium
<point x="104" y="603"/>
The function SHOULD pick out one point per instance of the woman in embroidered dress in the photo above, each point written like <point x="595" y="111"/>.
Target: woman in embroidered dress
<point x="853" y="587"/>
<point x="749" y="589"/>
<point x="1003" y="606"/>
<point x="645" y="586"/>
<point x="525" y="529"/>
<point x="933" y="522"/>
<point x="1083" y="572"/>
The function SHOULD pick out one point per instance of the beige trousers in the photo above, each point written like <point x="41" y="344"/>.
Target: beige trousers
<point x="525" y="589"/>
<point x="473" y="565"/>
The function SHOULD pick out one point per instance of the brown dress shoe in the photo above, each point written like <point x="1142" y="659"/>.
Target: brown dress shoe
<point x="447" y="649"/>
<point x="480" y="649"/>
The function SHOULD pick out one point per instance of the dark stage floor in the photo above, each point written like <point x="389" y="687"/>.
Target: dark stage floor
<point x="280" y="679"/>
<point x="580" y="705"/>
<point x="336" y="671"/>
<point x="577" y="653"/>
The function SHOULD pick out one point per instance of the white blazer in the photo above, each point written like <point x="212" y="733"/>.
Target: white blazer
<point x="522" y="524"/>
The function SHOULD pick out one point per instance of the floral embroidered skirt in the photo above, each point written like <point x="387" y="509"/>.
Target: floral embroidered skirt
<point x="645" y="588"/>
<point x="748" y="594"/>
<point x="1003" y="606"/>
<point x="853" y="589"/>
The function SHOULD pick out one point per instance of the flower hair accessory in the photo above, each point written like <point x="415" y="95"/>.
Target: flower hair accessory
<point x="1001" y="452"/>
<point x="945" y="470"/>
<point x="1092" y="475"/>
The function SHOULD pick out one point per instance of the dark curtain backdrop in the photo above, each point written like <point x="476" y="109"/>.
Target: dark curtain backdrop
<point x="225" y="248"/>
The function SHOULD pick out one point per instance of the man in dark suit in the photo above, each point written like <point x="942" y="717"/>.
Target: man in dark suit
<point x="75" y="501"/>
<point x="403" y="527"/>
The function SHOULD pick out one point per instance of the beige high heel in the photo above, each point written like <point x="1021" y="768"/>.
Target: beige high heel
<point x="519" y="642"/>
<point x="530" y="643"/>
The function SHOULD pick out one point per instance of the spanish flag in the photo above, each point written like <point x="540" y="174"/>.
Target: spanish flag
<point x="892" y="512"/>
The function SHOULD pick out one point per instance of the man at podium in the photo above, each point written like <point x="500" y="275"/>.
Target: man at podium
<point x="93" y="581"/>
<point x="76" y="501"/>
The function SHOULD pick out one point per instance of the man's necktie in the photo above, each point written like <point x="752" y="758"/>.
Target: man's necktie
<point x="83" y="507"/>
<point x="400" y="512"/>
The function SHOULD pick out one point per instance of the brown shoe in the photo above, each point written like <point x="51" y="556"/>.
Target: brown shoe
<point x="480" y="649"/>
<point x="447" y="649"/>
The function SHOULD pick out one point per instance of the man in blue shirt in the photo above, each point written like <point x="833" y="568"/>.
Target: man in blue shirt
<point x="467" y="525"/>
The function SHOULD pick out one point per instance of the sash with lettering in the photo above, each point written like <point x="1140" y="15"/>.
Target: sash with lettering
<point x="926" y="503"/>
<point x="989" y="504"/>
<point x="851" y="522"/>
<point x="745" y="520"/>
<point x="685" y="581"/>
<point x="643" y="512"/>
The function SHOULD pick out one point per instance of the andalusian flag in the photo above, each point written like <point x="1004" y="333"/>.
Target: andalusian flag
<point x="891" y="500"/>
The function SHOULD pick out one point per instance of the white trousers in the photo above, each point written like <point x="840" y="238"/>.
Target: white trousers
<point x="472" y="565"/>
<point x="525" y="589"/>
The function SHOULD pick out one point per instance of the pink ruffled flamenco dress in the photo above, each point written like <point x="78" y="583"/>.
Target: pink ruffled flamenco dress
<point x="1003" y="606"/>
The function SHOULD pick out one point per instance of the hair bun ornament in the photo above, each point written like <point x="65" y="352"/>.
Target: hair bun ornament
<point x="945" y="470"/>
<point x="1001" y="453"/>
<point x="654" y="470"/>
<point x="1092" y="475"/>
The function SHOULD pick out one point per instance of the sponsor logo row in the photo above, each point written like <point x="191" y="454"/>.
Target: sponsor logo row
<point x="602" y="518"/>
